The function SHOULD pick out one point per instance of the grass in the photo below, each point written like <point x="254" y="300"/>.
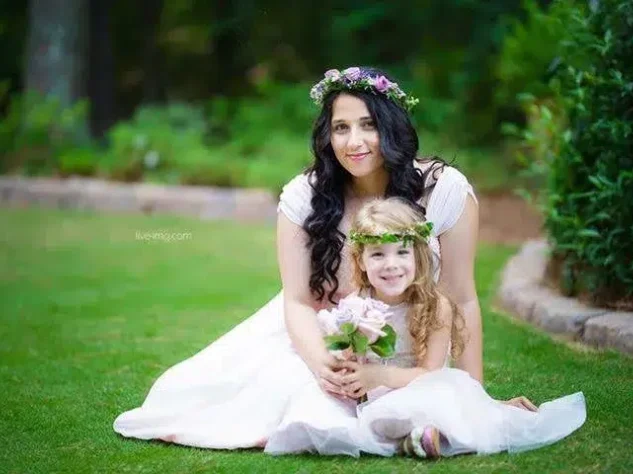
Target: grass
<point x="90" y="316"/>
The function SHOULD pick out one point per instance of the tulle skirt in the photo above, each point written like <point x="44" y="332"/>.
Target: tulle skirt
<point x="251" y="389"/>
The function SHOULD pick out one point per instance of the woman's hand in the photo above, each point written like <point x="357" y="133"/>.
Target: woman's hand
<point x="361" y="378"/>
<point x="329" y="373"/>
<point x="520" y="402"/>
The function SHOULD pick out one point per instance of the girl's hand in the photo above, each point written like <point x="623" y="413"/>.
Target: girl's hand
<point x="361" y="378"/>
<point x="520" y="402"/>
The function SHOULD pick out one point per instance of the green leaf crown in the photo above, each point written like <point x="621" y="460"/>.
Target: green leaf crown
<point x="420" y="231"/>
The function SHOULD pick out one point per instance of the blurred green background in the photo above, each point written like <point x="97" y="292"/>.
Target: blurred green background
<point x="531" y="95"/>
<point x="536" y="95"/>
<point x="216" y="93"/>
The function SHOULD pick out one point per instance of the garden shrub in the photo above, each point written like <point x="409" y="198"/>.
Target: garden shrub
<point x="156" y="138"/>
<point x="531" y="49"/>
<point x="78" y="162"/>
<point x="589" y="201"/>
<point x="36" y="131"/>
<point x="231" y="144"/>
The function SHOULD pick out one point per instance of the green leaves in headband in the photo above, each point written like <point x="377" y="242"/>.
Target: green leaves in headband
<point x="408" y="236"/>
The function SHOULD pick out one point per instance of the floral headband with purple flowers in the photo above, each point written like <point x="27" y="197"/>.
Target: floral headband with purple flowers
<point x="353" y="78"/>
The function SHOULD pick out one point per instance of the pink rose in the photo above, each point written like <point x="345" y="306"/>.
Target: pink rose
<point x="327" y="322"/>
<point x="354" y="304"/>
<point x="371" y="324"/>
<point x="378" y="305"/>
<point x="345" y="315"/>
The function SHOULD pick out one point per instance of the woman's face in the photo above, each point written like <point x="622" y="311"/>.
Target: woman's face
<point x="354" y="137"/>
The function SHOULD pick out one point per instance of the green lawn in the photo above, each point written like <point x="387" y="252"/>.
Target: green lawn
<point x="90" y="316"/>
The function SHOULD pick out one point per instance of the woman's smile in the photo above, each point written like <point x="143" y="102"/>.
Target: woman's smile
<point x="356" y="157"/>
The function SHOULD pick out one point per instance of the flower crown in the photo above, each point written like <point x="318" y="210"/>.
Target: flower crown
<point x="420" y="231"/>
<point x="353" y="78"/>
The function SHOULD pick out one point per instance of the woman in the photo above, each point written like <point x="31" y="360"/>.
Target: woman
<point x="365" y="146"/>
<point x="247" y="388"/>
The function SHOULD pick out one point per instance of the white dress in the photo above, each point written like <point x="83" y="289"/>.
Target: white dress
<point x="251" y="389"/>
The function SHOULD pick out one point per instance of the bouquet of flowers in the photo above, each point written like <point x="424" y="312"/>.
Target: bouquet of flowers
<point x="357" y="325"/>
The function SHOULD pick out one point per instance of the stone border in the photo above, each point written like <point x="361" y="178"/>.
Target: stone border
<point x="523" y="293"/>
<point x="93" y="194"/>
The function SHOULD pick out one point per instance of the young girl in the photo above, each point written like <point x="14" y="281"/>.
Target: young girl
<point x="415" y="402"/>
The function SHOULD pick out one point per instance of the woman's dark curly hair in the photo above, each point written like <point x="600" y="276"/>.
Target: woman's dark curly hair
<point x="399" y="148"/>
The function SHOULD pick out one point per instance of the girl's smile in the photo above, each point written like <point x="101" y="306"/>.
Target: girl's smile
<point x="390" y="269"/>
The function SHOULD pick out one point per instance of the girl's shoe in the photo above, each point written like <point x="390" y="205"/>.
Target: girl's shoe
<point x="422" y="442"/>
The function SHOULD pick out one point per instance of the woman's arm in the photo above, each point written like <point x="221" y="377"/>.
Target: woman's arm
<point x="299" y="313"/>
<point x="457" y="280"/>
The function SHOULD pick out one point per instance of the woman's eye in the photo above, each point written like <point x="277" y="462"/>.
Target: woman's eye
<point x="340" y="127"/>
<point x="369" y="125"/>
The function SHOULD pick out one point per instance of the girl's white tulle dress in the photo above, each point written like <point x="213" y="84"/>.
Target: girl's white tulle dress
<point x="251" y="389"/>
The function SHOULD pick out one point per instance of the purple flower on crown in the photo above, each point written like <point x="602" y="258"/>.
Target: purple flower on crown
<point x="352" y="74"/>
<point x="382" y="84"/>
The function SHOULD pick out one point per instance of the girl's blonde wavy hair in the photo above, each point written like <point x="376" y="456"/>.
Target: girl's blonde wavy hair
<point x="394" y="215"/>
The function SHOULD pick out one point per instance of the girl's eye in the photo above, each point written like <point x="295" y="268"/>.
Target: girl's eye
<point x="403" y="252"/>
<point x="376" y="254"/>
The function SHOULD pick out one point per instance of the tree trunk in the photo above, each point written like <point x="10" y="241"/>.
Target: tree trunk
<point x="153" y="83"/>
<point x="101" y="73"/>
<point x="57" y="49"/>
<point x="229" y="46"/>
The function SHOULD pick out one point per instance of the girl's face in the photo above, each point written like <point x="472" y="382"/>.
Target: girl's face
<point x="354" y="137"/>
<point x="390" y="269"/>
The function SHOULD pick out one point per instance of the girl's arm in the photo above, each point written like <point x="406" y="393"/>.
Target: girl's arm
<point x="299" y="313"/>
<point x="437" y="349"/>
<point x="457" y="280"/>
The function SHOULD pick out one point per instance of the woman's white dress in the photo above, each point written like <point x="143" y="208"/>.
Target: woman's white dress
<point x="251" y="389"/>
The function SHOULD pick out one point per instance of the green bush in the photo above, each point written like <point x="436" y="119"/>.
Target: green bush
<point x="280" y="157"/>
<point x="588" y="210"/>
<point x="277" y="107"/>
<point x="78" y="162"/>
<point x="531" y="49"/>
<point x="36" y="131"/>
<point x="155" y="138"/>
<point x="236" y="143"/>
